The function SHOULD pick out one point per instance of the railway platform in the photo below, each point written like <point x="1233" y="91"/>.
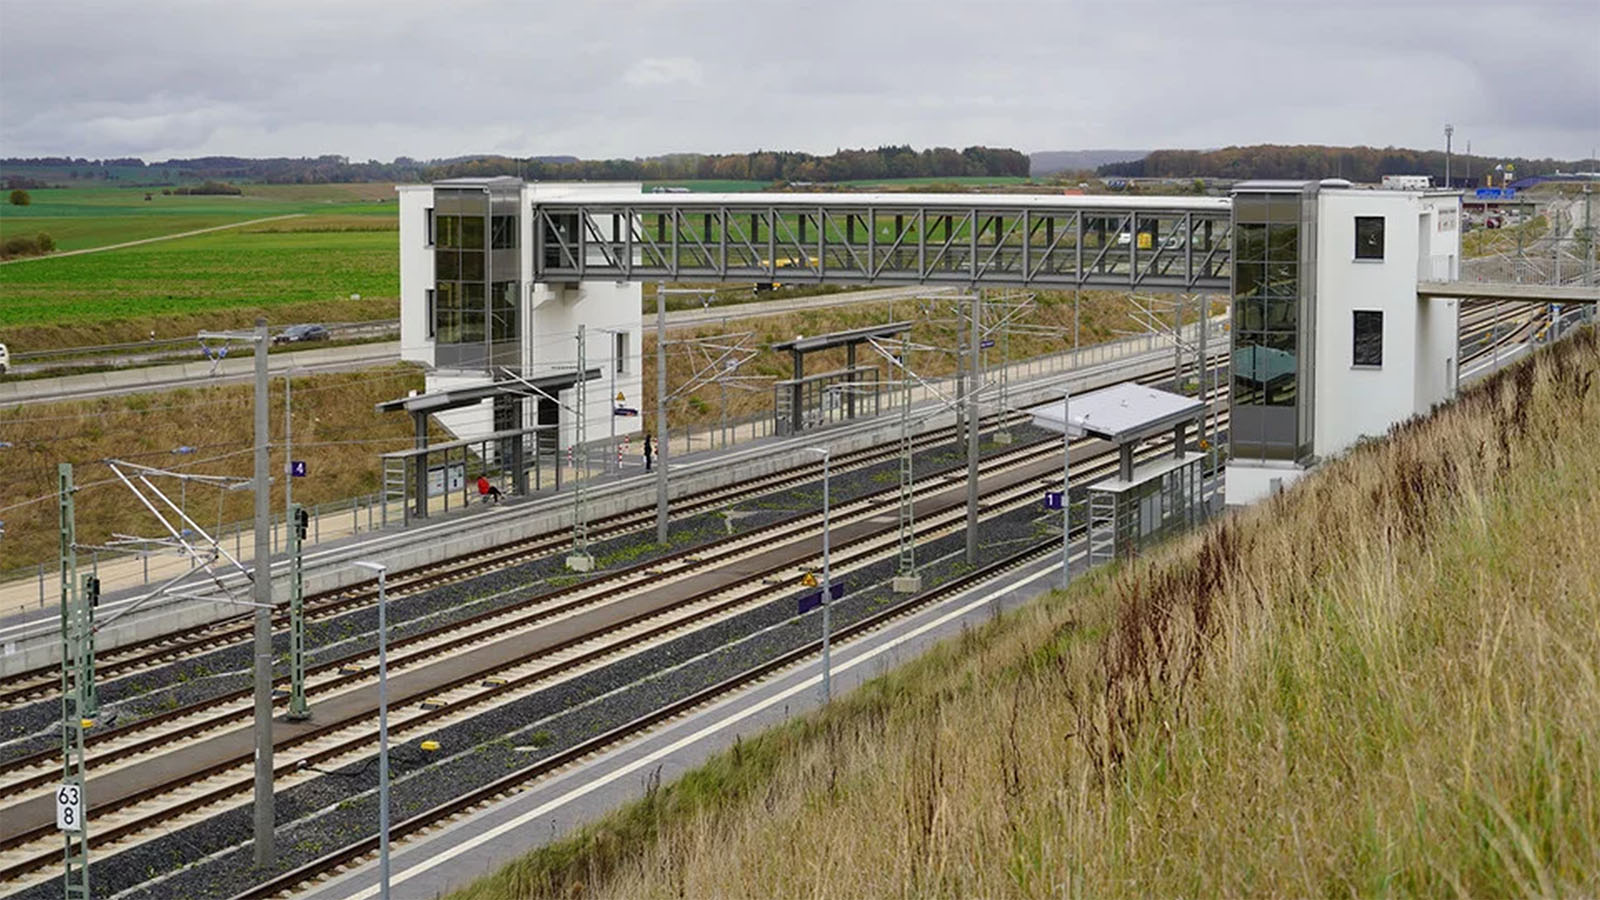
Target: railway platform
<point x="29" y="626"/>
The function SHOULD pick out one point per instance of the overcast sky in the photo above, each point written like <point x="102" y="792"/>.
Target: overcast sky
<point x="600" y="78"/>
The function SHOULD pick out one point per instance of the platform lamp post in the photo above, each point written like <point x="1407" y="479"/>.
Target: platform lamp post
<point x="827" y="587"/>
<point x="1066" y="489"/>
<point x="383" y="726"/>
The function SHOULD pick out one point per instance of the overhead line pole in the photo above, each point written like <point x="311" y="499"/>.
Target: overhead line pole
<point x="73" y="703"/>
<point x="262" y="583"/>
<point x="295" y="537"/>
<point x="580" y="560"/>
<point x="972" y="428"/>
<point x="661" y="413"/>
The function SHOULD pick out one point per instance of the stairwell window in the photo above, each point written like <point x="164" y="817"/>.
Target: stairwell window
<point x="1368" y="350"/>
<point x="1369" y="237"/>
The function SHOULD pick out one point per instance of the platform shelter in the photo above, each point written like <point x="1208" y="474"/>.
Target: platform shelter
<point x="510" y="453"/>
<point x="1146" y="501"/>
<point x="806" y="402"/>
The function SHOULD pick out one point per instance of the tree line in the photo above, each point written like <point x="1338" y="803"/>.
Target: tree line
<point x="762" y="165"/>
<point x="1366" y="164"/>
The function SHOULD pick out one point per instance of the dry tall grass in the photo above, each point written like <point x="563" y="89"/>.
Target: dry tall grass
<point x="1383" y="682"/>
<point x="335" y="429"/>
<point x="1103" y="316"/>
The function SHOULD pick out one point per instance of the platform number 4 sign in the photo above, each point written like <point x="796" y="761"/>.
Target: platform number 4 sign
<point x="69" y="807"/>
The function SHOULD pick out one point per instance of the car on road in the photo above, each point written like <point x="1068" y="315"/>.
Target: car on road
<point x="5" y="359"/>
<point x="295" y="334"/>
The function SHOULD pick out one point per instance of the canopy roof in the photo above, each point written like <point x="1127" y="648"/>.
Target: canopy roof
<point x="1121" y="413"/>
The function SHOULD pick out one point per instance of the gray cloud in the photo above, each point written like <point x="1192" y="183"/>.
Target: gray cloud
<point x="606" y="77"/>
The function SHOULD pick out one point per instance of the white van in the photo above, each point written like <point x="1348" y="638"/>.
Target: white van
<point x="5" y="359"/>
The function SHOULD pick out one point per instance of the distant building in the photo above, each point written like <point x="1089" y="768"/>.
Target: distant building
<point x="470" y="311"/>
<point x="1330" y="342"/>
<point x="1407" y="182"/>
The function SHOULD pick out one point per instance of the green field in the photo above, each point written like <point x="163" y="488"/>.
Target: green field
<point x="205" y="272"/>
<point x="341" y="240"/>
<point x="711" y="185"/>
<point x="79" y="218"/>
<point x="962" y="180"/>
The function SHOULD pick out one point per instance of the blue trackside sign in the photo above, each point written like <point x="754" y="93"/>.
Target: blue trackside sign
<point x="297" y="468"/>
<point x="1052" y="499"/>
<point x="811" y="601"/>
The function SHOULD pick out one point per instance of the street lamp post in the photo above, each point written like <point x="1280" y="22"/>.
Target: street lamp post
<point x="383" y="728"/>
<point x="827" y="587"/>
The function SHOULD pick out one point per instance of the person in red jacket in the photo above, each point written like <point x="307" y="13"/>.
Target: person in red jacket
<point x="486" y="490"/>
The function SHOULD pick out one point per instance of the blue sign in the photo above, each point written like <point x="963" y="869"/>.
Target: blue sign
<point x="1052" y="499"/>
<point x="624" y="411"/>
<point x="986" y="344"/>
<point x="811" y="601"/>
<point x="297" y="468"/>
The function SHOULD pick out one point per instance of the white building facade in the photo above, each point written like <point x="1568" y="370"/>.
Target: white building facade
<point x="470" y="312"/>
<point x="1330" y="342"/>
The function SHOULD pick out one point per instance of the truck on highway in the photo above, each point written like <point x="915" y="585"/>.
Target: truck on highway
<point x="5" y="359"/>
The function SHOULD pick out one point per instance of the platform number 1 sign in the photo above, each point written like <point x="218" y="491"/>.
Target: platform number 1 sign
<point x="69" y="807"/>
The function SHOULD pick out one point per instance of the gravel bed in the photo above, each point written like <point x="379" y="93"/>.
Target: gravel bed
<point x="339" y="808"/>
<point x="32" y="728"/>
<point x="215" y="673"/>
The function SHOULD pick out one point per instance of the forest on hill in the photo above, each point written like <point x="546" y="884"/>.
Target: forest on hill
<point x="900" y="161"/>
<point x="1315" y="161"/>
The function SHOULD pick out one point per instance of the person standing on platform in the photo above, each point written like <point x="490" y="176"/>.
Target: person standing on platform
<point x="649" y="450"/>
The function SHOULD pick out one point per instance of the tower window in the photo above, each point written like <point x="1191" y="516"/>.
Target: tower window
<point x="1368" y="350"/>
<point x="1369" y="237"/>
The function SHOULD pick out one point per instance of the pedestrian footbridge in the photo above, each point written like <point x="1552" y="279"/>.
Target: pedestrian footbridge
<point x="975" y="240"/>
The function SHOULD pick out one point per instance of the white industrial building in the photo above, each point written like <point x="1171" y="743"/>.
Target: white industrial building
<point x="471" y="313"/>
<point x="1325" y="296"/>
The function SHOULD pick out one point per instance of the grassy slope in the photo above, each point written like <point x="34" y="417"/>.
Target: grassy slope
<point x="1382" y="683"/>
<point x="79" y="432"/>
<point x="1102" y="316"/>
<point x="335" y="430"/>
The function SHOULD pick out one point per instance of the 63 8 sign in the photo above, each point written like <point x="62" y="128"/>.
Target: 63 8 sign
<point x="69" y="806"/>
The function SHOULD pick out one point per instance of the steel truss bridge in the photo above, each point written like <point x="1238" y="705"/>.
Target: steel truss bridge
<point x="1172" y="244"/>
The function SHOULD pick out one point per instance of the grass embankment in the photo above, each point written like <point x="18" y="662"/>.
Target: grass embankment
<point x="335" y="430"/>
<point x="1487" y="241"/>
<point x="1383" y="682"/>
<point x="1103" y="316"/>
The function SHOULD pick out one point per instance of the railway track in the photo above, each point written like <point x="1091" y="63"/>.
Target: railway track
<point x="334" y="741"/>
<point x="209" y="785"/>
<point x="286" y="883"/>
<point x="1484" y="326"/>
<point x="45" y="681"/>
